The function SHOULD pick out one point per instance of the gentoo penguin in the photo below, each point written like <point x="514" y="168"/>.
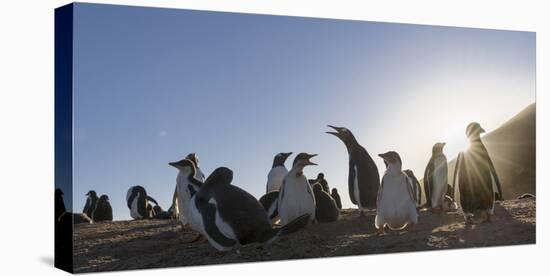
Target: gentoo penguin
<point x="416" y="186"/>
<point x="449" y="204"/>
<point x="321" y="180"/>
<point x="187" y="187"/>
<point x="296" y="196"/>
<point x="138" y="202"/>
<point x="91" y="202"/>
<point x="231" y="216"/>
<point x="181" y="193"/>
<point x="161" y="214"/>
<point x="436" y="177"/>
<point x="336" y="198"/>
<point x="396" y="206"/>
<point x="476" y="176"/>
<point x="103" y="210"/>
<point x="326" y="209"/>
<point x="363" y="180"/>
<point x="277" y="173"/>
<point x="269" y="202"/>
<point x="62" y="217"/>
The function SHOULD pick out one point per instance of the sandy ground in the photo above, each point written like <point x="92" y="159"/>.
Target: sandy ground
<point x="161" y="243"/>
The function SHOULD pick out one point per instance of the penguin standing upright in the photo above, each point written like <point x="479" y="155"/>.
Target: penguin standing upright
<point x="321" y="180"/>
<point x="181" y="197"/>
<point x="363" y="180"/>
<point x="326" y="209"/>
<point x="188" y="184"/>
<point x="138" y="202"/>
<point x="296" y="196"/>
<point x="230" y="216"/>
<point x="396" y="206"/>
<point x="336" y="198"/>
<point x="416" y="186"/>
<point x="476" y="177"/>
<point x="103" y="210"/>
<point x="436" y="177"/>
<point x="91" y="202"/>
<point x="277" y="173"/>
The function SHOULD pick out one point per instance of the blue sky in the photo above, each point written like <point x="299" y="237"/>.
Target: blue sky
<point x="152" y="85"/>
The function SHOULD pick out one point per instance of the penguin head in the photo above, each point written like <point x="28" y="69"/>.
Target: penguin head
<point x="320" y="176"/>
<point x="104" y="198"/>
<point x="193" y="157"/>
<point x="58" y="193"/>
<point x="409" y="173"/>
<point x="184" y="165"/>
<point x="317" y="187"/>
<point x="279" y="159"/>
<point x="334" y="191"/>
<point x="221" y="175"/>
<point x="302" y="160"/>
<point x="92" y="194"/>
<point x="391" y="158"/>
<point x="343" y="134"/>
<point x="474" y="130"/>
<point x="438" y="148"/>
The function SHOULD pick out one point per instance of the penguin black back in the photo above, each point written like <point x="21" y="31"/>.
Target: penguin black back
<point x="326" y="209"/>
<point x="336" y="198"/>
<point x="416" y="183"/>
<point x="103" y="210"/>
<point x="363" y="172"/>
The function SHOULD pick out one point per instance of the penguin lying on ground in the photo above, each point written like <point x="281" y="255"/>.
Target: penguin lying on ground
<point x="476" y="176"/>
<point x="91" y="202"/>
<point x="363" y="180"/>
<point x="526" y="195"/>
<point x="396" y="207"/>
<point x="416" y="186"/>
<point x="270" y="203"/>
<point x="230" y="216"/>
<point x="321" y="180"/>
<point x="103" y="210"/>
<point x="161" y="214"/>
<point x="66" y="218"/>
<point x="138" y="202"/>
<point x="296" y="196"/>
<point x="326" y="209"/>
<point x="336" y="198"/>
<point x="436" y="177"/>
<point x="449" y="204"/>
<point x="277" y="173"/>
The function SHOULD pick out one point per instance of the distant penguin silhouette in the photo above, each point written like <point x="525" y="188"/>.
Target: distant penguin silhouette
<point x="363" y="180"/>
<point x="436" y="177"/>
<point x="270" y="203"/>
<point x="138" y="201"/>
<point x="62" y="217"/>
<point x="182" y="195"/>
<point x="91" y="202"/>
<point x="231" y="216"/>
<point x="396" y="202"/>
<point x="103" y="210"/>
<point x="296" y="196"/>
<point x="277" y="173"/>
<point x="321" y="180"/>
<point x="476" y="176"/>
<point x="416" y="186"/>
<point x="326" y="209"/>
<point x="336" y="198"/>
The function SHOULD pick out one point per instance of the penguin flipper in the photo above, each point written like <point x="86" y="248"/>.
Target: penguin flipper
<point x="152" y="200"/>
<point x="351" y="181"/>
<point x="293" y="226"/>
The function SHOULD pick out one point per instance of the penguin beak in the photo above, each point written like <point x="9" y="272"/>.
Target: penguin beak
<point x="173" y="164"/>
<point x="87" y="194"/>
<point x="335" y="133"/>
<point x="309" y="161"/>
<point x="481" y="130"/>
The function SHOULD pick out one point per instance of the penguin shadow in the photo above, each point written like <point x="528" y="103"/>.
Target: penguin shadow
<point x="503" y="229"/>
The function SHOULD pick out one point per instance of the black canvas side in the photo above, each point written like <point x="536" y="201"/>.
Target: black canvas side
<point x="63" y="258"/>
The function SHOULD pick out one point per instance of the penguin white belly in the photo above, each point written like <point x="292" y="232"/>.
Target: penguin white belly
<point x="356" y="189"/>
<point x="195" y="217"/>
<point x="296" y="200"/>
<point x="134" y="210"/>
<point x="396" y="208"/>
<point x="439" y="181"/>
<point x="275" y="178"/>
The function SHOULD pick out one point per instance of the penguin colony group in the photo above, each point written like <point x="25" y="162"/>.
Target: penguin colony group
<point x="228" y="216"/>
